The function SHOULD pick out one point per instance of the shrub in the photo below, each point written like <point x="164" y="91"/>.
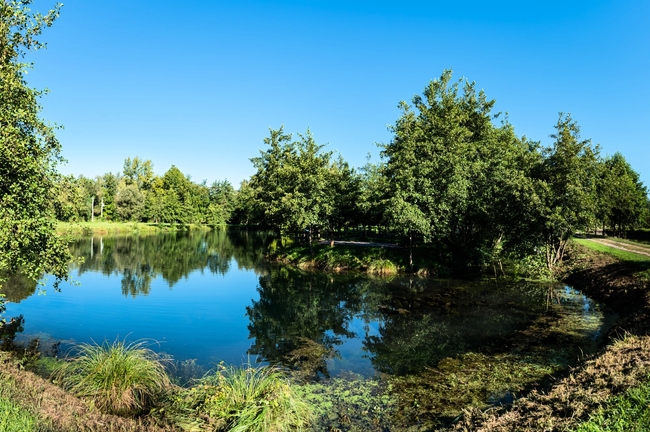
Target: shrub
<point x="119" y="378"/>
<point x="241" y="399"/>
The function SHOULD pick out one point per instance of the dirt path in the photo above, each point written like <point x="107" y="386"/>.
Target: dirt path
<point x="641" y="250"/>
<point x="361" y="244"/>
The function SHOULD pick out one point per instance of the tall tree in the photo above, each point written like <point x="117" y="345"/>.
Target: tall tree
<point x="430" y="159"/>
<point x="29" y="153"/>
<point x="622" y="197"/>
<point x="567" y="190"/>
<point x="292" y="183"/>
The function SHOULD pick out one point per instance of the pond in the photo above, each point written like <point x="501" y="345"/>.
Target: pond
<point x="210" y="297"/>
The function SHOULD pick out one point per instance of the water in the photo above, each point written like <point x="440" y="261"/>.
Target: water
<point x="211" y="297"/>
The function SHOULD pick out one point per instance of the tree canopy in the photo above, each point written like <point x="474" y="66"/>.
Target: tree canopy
<point x="29" y="154"/>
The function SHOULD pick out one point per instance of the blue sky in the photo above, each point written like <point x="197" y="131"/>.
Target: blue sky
<point x="198" y="83"/>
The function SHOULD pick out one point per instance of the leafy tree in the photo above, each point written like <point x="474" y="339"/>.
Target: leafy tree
<point x="246" y="209"/>
<point x="431" y="157"/>
<point x="293" y="183"/>
<point x="567" y="190"/>
<point x="222" y="202"/>
<point x="129" y="202"/>
<point x="344" y="189"/>
<point x="373" y="194"/>
<point x="109" y="184"/>
<point x="29" y="153"/>
<point x="622" y="197"/>
<point x="138" y="171"/>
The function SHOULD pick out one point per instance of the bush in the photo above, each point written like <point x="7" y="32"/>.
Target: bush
<point x="241" y="399"/>
<point x="119" y="378"/>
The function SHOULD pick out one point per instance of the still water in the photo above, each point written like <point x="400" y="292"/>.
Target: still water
<point x="211" y="297"/>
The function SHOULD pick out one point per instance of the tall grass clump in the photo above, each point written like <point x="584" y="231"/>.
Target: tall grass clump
<point x="254" y="399"/>
<point x="119" y="378"/>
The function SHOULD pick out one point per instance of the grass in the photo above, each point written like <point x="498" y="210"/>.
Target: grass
<point x="14" y="418"/>
<point x="374" y="260"/>
<point x="119" y="378"/>
<point x="241" y="399"/>
<point x="106" y="227"/>
<point x="628" y="412"/>
<point x="626" y="256"/>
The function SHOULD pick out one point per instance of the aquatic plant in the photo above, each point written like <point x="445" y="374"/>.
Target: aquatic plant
<point x="119" y="378"/>
<point x="249" y="398"/>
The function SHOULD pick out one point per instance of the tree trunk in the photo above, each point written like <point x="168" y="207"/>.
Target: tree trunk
<point x="311" y="247"/>
<point x="411" y="251"/>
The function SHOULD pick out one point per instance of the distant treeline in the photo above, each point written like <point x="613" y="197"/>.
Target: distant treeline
<point x="452" y="178"/>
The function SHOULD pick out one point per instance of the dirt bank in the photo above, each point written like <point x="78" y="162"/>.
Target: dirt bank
<point x="59" y="410"/>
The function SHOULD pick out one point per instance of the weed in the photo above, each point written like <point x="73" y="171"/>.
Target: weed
<point x="119" y="378"/>
<point x="241" y="399"/>
<point x="13" y="418"/>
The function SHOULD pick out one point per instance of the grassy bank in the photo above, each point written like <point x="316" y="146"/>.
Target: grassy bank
<point x="375" y="260"/>
<point x="121" y="228"/>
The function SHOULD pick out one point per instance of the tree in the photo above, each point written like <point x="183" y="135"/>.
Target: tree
<point x="293" y="184"/>
<point x="622" y="197"/>
<point x="430" y="159"/>
<point x="129" y="202"/>
<point x="567" y="188"/>
<point x="29" y="153"/>
<point x="138" y="171"/>
<point x="222" y="203"/>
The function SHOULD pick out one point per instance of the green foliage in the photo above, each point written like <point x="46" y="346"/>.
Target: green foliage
<point x="292" y="182"/>
<point x="119" y="378"/>
<point x="622" y="197"/>
<point x="241" y="399"/>
<point x="29" y="153"/>
<point x="567" y="188"/>
<point x="14" y="418"/>
<point x="129" y="203"/>
<point x="628" y="412"/>
<point x="455" y="179"/>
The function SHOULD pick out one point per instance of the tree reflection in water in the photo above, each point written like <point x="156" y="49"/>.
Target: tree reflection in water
<point x="172" y="256"/>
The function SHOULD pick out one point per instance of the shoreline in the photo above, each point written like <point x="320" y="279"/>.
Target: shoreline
<point x="621" y="364"/>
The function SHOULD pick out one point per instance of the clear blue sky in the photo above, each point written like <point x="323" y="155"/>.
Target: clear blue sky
<point x="198" y="83"/>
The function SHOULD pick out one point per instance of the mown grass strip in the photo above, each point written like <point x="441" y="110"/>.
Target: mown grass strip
<point x="628" y="412"/>
<point x="622" y="255"/>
